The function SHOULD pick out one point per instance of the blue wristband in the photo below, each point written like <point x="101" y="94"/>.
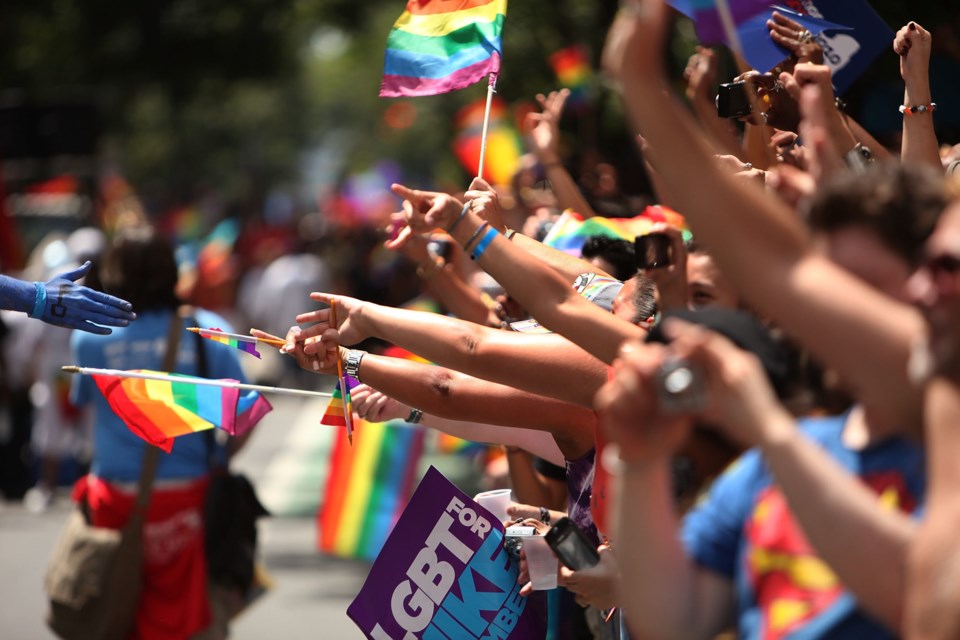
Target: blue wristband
<point x="40" y="302"/>
<point x="484" y="243"/>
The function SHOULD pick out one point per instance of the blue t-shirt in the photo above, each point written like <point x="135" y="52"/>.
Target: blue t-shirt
<point x="118" y="452"/>
<point x="744" y="530"/>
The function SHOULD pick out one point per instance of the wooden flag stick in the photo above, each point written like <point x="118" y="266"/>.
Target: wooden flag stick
<point x="491" y="89"/>
<point x="227" y="384"/>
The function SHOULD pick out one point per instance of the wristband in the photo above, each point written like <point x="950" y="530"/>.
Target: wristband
<point x="920" y="108"/>
<point x="476" y="233"/>
<point x="463" y="213"/>
<point x="484" y="243"/>
<point x="40" y="302"/>
<point x="414" y="416"/>
<point x="544" y="515"/>
<point x="509" y="234"/>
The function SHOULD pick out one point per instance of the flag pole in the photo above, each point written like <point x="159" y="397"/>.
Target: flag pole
<point x="491" y="89"/>
<point x="344" y="387"/>
<point x="227" y="384"/>
<point x="214" y="333"/>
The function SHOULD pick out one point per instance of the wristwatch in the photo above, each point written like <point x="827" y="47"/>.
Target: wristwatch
<point x="414" y="417"/>
<point x="352" y="365"/>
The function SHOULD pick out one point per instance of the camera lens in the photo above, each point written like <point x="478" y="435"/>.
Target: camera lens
<point x="678" y="380"/>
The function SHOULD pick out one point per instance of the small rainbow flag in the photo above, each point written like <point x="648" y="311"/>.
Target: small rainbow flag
<point x="437" y="46"/>
<point x="160" y="410"/>
<point x="572" y="66"/>
<point x="247" y="344"/>
<point x="570" y="230"/>
<point x="368" y="486"/>
<point x="335" y="414"/>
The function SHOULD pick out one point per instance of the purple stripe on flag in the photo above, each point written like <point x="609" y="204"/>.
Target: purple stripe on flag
<point x="407" y="86"/>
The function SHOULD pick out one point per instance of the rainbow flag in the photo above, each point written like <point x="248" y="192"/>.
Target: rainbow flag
<point x="572" y="67"/>
<point x="437" y="46"/>
<point x="160" y="410"/>
<point x="335" y="414"/>
<point x="570" y="230"/>
<point x="504" y="146"/>
<point x="368" y="486"/>
<point x="247" y="344"/>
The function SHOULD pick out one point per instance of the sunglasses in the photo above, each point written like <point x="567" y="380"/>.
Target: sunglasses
<point x="943" y="270"/>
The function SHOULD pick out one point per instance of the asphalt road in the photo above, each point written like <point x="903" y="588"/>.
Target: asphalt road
<point x="311" y="592"/>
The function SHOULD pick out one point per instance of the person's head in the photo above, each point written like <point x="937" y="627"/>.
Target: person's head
<point x="139" y="267"/>
<point x="706" y="284"/>
<point x="935" y="289"/>
<point x="874" y="224"/>
<point x="613" y="255"/>
<point x="636" y="302"/>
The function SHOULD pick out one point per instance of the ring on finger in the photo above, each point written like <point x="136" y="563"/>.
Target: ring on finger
<point x="804" y="36"/>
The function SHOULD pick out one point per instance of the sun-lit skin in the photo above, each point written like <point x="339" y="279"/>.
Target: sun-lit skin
<point x="707" y="286"/>
<point x="860" y="251"/>
<point x="623" y="306"/>
<point x="936" y="291"/>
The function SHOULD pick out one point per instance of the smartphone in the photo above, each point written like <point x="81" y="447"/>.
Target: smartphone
<point x="571" y="545"/>
<point x="732" y="101"/>
<point x="652" y="251"/>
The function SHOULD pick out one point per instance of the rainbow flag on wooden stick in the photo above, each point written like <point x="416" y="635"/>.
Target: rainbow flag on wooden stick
<point x="160" y="410"/>
<point x="438" y="46"/>
<point x="247" y="344"/>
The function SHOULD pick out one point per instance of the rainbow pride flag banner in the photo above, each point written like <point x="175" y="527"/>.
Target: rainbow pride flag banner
<point x="161" y="410"/>
<point x="572" y="67"/>
<point x="438" y="46"/>
<point x="247" y="344"/>
<point x="367" y="487"/>
<point x="570" y="230"/>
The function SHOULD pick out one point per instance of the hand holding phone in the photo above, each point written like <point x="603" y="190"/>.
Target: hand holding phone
<point x="571" y="545"/>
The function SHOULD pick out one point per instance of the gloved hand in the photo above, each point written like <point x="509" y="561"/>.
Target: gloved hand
<point x="63" y="302"/>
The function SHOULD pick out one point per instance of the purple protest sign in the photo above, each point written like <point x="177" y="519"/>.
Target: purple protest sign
<point x="444" y="573"/>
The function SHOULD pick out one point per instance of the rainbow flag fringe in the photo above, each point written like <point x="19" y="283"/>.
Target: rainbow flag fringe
<point x="438" y="46"/>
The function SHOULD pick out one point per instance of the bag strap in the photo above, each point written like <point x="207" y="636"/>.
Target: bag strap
<point x="151" y="456"/>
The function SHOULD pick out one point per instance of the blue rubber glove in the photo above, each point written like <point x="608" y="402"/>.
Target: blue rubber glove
<point x="64" y="303"/>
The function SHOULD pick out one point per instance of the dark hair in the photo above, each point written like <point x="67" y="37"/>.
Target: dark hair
<point x="900" y="203"/>
<point x="139" y="267"/>
<point x="644" y="299"/>
<point x="617" y="252"/>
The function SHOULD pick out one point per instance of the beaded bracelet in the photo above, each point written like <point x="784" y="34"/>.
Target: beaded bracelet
<point x="463" y="213"/>
<point x="39" y="302"/>
<point x="475" y="235"/>
<point x="484" y="243"/>
<point x="919" y="108"/>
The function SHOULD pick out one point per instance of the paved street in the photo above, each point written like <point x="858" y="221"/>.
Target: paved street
<point x="311" y="592"/>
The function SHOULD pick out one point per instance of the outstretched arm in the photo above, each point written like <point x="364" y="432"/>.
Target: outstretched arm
<point x="544" y="364"/>
<point x="545" y="294"/>
<point x="64" y="303"/>
<point x="376" y="406"/>
<point x="919" y="145"/>
<point x="859" y="332"/>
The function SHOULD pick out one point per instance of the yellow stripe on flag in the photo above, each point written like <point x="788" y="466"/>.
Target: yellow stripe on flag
<point x="355" y="503"/>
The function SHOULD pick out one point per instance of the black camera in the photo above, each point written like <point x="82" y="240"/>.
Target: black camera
<point x="732" y="100"/>
<point x="513" y="538"/>
<point x="652" y="251"/>
<point x="680" y="387"/>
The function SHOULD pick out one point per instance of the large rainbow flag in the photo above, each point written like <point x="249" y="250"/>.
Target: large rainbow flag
<point x="368" y="486"/>
<point x="160" y="410"/>
<point x="570" y="230"/>
<point x="437" y="46"/>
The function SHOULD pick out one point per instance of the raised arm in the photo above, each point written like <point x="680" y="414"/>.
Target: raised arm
<point x="859" y="332"/>
<point x="919" y="145"/>
<point x="545" y="364"/>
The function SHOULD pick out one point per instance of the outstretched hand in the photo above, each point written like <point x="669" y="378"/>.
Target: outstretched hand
<point x="792" y="35"/>
<point x="347" y="330"/>
<point x="74" y="306"/>
<point x="375" y="406"/>
<point x="542" y="130"/>
<point x="428" y="209"/>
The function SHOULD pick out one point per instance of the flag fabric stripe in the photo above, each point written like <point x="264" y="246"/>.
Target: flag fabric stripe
<point x="243" y="343"/>
<point x="439" y="47"/>
<point x="360" y="489"/>
<point x="383" y="499"/>
<point x="409" y="86"/>
<point x="571" y="230"/>
<point x="428" y="7"/>
<point x="444" y="24"/>
<point x="341" y="466"/>
<point x="160" y="410"/>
